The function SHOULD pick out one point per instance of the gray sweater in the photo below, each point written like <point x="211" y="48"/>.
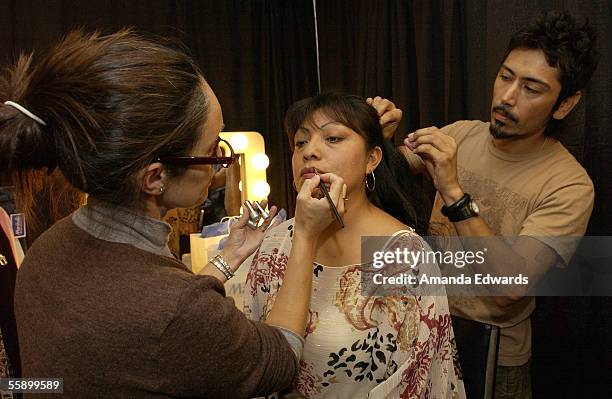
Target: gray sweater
<point x="114" y="320"/>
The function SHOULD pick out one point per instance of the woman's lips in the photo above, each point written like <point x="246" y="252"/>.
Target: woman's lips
<point x="309" y="173"/>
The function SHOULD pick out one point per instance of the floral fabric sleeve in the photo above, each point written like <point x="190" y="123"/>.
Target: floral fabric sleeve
<point x="265" y="275"/>
<point x="425" y="364"/>
<point x="266" y="272"/>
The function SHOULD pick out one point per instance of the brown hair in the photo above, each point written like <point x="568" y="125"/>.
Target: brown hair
<point x="112" y="104"/>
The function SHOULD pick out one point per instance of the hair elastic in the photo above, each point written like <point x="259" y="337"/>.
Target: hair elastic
<point x="25" y="112"/>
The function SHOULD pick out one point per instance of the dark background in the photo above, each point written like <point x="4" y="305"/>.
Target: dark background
<point x="436" y="59"/>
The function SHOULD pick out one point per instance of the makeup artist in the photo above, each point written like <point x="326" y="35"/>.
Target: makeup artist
<point x="100" y="302"/>
<point x="512" y="184"/>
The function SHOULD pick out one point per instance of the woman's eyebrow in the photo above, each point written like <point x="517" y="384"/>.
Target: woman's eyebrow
<point x="328" y="123"/>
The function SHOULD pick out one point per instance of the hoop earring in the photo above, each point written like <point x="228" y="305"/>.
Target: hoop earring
<point x="370" y="189"/>
<point x="161" y="189"/>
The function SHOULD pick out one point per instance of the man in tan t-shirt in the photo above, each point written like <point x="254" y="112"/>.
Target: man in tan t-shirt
<point x="521" y="181"/>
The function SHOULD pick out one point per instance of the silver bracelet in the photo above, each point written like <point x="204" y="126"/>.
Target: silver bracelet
<point x="221" y="264"/>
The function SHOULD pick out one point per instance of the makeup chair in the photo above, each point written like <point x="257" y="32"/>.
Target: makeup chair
<point x="477" y="345"/>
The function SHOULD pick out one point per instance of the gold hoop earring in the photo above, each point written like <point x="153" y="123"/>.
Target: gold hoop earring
<point x="370" y="189"/>
<point x="161" y="189"/>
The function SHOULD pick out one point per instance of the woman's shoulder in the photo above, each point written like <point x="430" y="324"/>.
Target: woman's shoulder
<point x="384" y="224"/>
<point x="399" y="234"/>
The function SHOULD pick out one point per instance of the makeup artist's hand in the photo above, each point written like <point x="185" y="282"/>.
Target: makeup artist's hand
<point x="439" y="152"/>
<point x="243" y="240"/>
<point x="390" y="116"/>
<point x="312" y="212"/>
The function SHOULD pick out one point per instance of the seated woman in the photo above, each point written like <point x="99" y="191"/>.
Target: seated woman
<point x="358" y="345"/>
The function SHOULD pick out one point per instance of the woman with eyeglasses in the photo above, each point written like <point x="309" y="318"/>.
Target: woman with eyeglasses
<point x="100" y="302"/>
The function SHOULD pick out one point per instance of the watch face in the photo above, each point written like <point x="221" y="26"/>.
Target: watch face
<point x="474" y="207"/>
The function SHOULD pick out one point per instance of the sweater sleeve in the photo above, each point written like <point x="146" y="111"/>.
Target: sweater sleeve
<point x="211" y="350"/>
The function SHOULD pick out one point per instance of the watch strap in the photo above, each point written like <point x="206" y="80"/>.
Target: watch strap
<point x="460" y="210"/>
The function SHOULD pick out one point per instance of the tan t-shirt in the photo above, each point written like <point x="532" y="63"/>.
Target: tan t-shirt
<point x="546" y="193"/>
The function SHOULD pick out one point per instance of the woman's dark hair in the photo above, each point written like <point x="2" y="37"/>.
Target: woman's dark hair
<point x="112" y="105"/>
<point x="567" y="44"/>
<point x="397" y="191"/>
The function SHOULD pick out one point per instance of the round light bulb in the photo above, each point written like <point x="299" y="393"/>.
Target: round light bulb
<point x="261" y="189"/>
<point x="240" y="185"/>
<point x="260" y="161"/>
<point x="239" y="142"/>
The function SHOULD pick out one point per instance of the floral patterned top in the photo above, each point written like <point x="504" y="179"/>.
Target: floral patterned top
<point x="360" y="346"/>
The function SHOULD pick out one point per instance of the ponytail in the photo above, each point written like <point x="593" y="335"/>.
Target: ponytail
<point x="110" y="105"/>
<point x="24" y="141"/>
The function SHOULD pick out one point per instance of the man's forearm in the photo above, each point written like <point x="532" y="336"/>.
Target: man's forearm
<point x="499" y="253"/>
<point x="526" y="256"/>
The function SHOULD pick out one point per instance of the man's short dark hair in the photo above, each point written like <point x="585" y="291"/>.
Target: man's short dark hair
<point x="568" y="45"/>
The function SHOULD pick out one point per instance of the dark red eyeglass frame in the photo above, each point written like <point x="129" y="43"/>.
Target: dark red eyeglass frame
<point x="189" y="160"/>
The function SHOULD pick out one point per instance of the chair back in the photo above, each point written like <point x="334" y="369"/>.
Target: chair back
<point x="477" y="345"/>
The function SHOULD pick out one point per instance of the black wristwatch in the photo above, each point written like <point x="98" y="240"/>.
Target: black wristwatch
<point x="463" y="209"/>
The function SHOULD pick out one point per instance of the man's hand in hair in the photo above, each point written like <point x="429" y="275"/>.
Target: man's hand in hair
<point x="390" y="116"/>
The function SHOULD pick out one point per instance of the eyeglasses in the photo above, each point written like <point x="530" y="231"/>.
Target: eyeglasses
<point x="188" y="160"/>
